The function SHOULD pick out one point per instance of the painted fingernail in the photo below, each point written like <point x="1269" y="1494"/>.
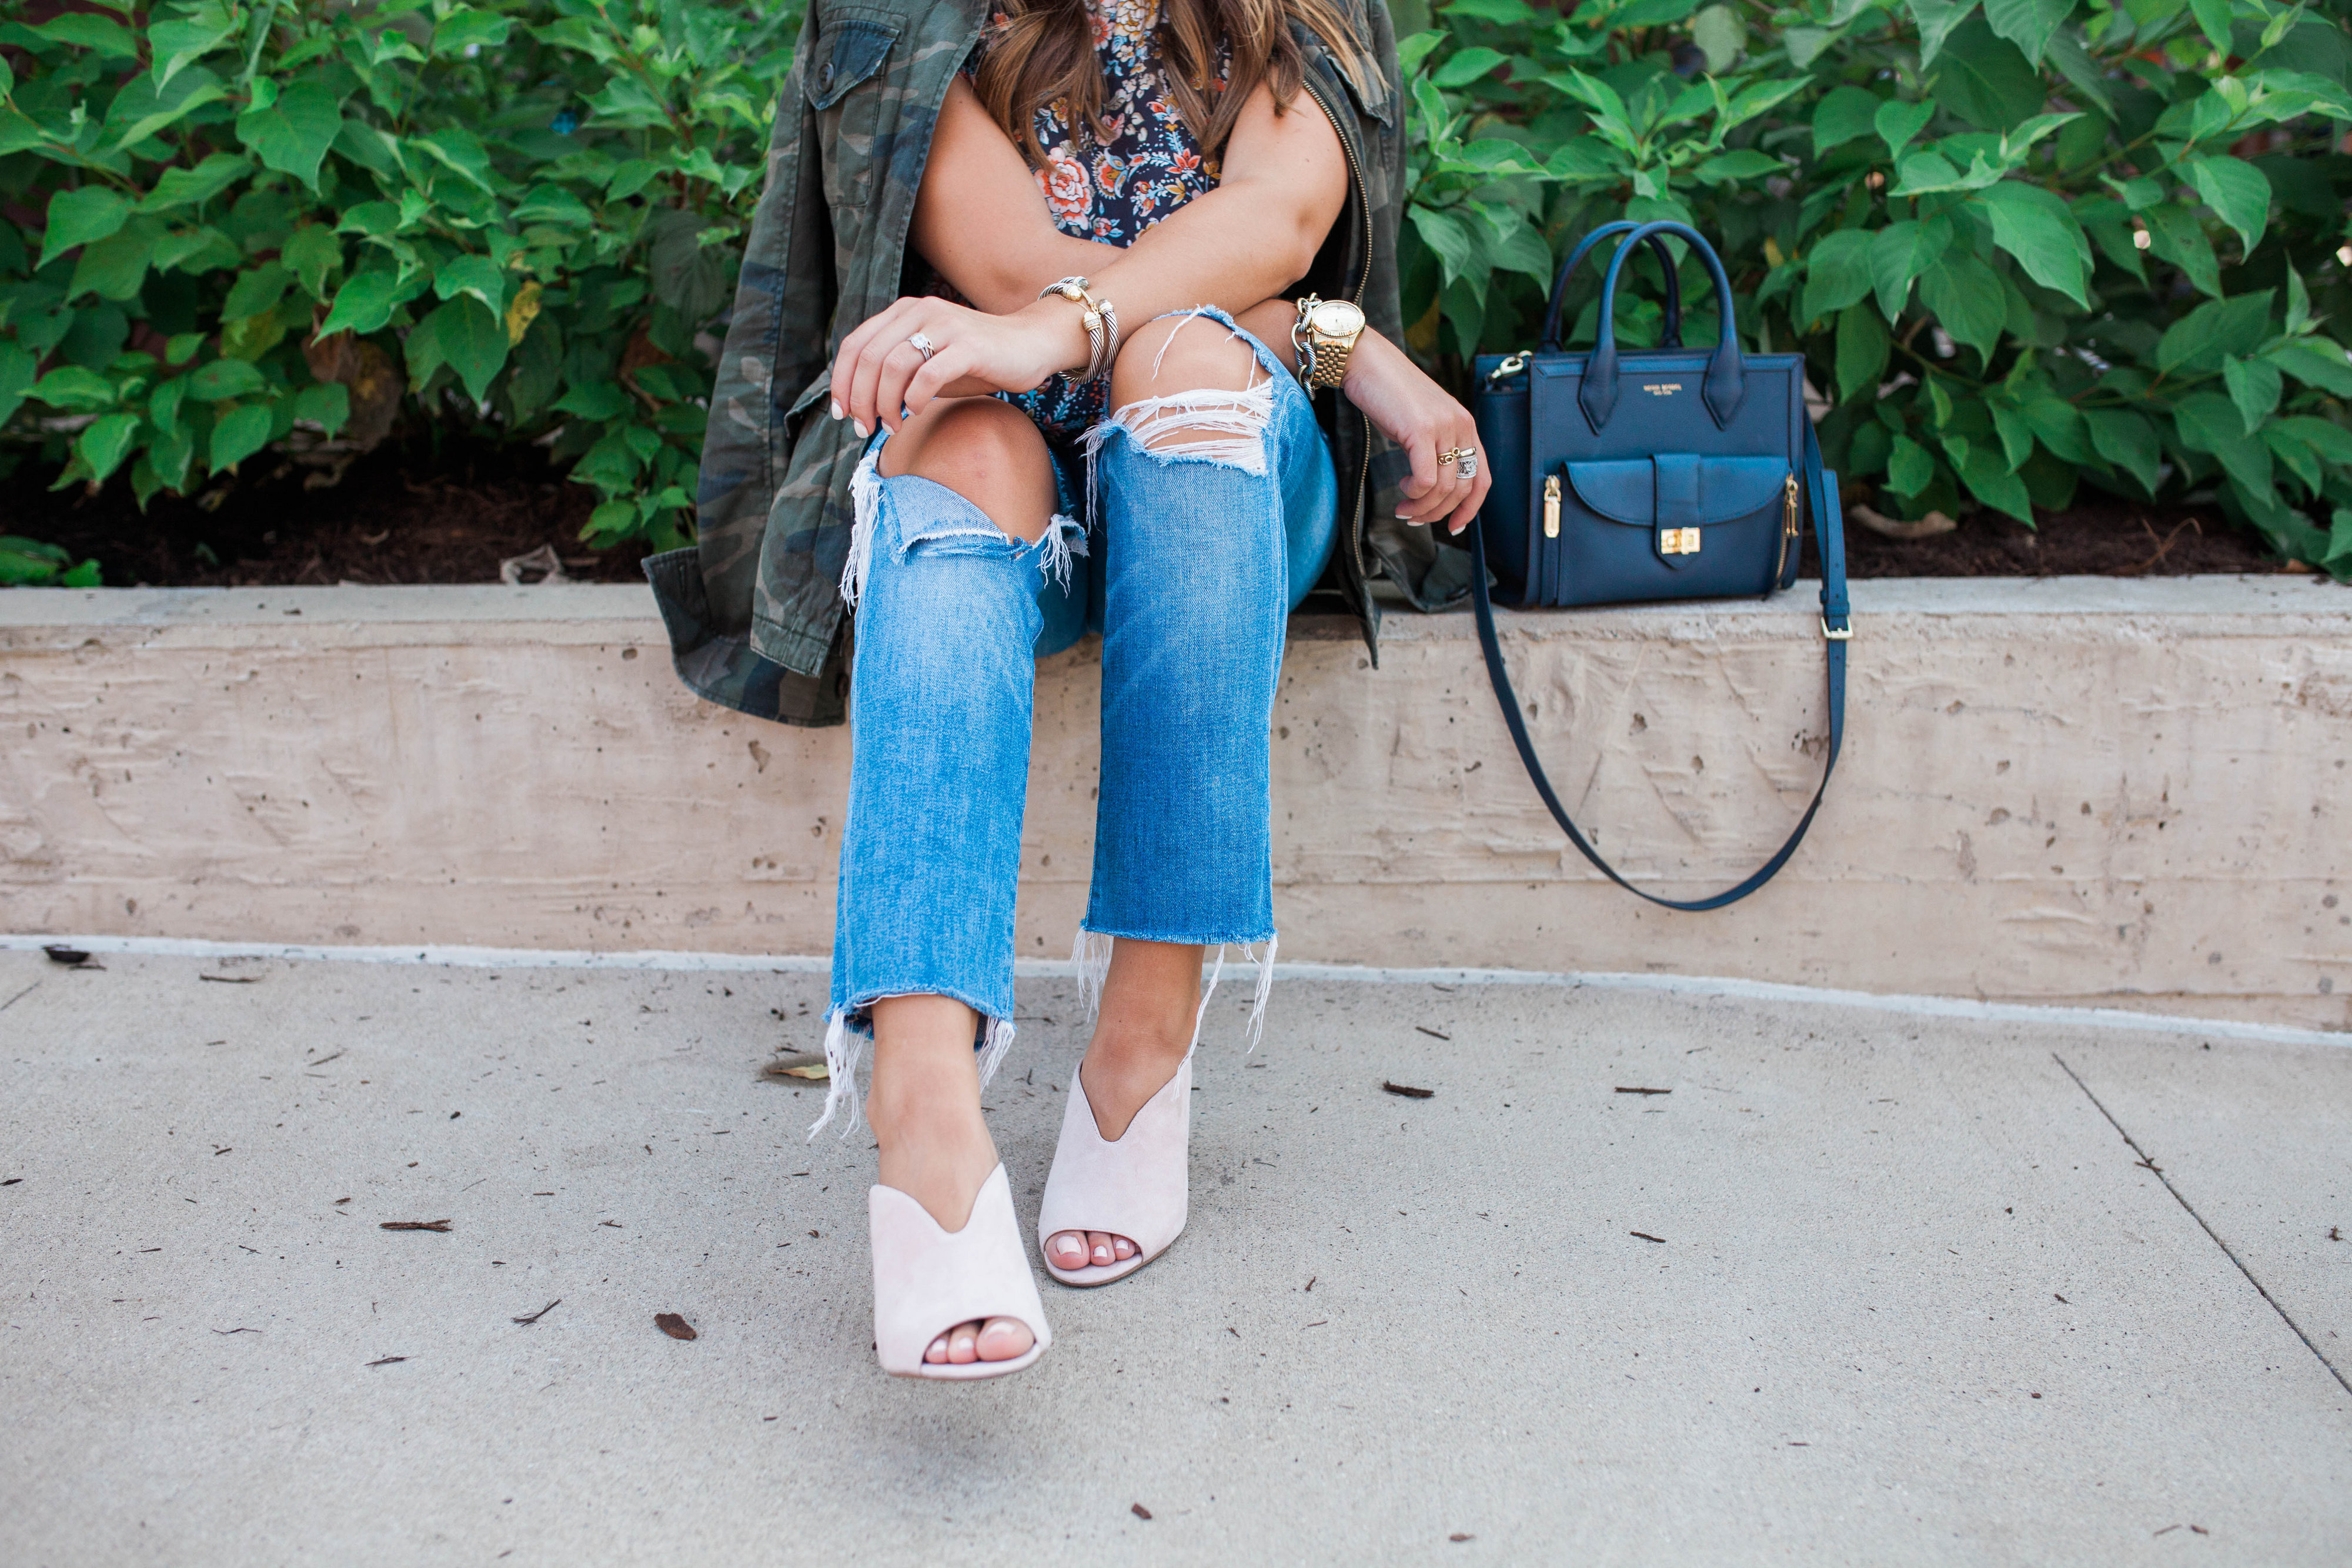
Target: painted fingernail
<point x="837" y="408"/>
<point x="859" y="426"/>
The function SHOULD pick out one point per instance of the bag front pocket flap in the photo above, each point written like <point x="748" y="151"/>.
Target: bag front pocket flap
<point x="1676" y="490"/>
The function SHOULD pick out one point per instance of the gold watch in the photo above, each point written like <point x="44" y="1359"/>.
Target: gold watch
<point x="1325" y="335"/>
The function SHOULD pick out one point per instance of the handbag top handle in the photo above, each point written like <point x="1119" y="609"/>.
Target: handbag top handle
<point x="1726" y="382"/>
<point x="1549" y="342"/>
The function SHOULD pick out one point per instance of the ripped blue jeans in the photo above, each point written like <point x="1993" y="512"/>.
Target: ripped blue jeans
<point x="1196" y="549"/>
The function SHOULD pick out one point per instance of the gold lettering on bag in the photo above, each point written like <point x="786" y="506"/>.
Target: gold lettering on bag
<point x="1678" y="541"/>
<point x="1663" y="388"/>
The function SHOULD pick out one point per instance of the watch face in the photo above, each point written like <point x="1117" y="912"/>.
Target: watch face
<point x="1336" y="319"/>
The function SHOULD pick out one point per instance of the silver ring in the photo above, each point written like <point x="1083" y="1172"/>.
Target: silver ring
<point x="923" y="345"/>
<point x="1468" y="468"/>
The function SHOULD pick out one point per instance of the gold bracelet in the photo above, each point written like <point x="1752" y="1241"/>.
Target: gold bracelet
<point x="1101" y="323"/>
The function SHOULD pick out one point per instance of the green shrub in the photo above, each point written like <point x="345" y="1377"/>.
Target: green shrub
<point x="286" y="223"/>
<point x="2026" y="248"/>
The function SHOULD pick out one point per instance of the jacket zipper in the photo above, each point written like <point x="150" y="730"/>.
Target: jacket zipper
<point x="1355" y="297"/>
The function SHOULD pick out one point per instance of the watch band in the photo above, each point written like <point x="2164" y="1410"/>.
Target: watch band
<point x="1322" y="358"/>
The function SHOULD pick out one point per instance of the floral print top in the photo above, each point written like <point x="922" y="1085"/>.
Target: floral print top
<point x="1112" y="192"/>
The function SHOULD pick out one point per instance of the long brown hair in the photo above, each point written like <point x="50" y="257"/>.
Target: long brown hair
<point x="1042" y="52"/>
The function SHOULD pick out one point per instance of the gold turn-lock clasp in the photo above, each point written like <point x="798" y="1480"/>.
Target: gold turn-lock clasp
<point x="1791" y="527"/>
<point x="1551" y="505"/>
<point x="1678" y="541"/>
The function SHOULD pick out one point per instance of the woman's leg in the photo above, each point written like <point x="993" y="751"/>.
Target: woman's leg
<point x="1204" y="470"/>
<point x="923" y="951"/>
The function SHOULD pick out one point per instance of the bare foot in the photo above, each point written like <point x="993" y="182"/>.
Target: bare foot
<point x="1152" y="1000"/>
<point x="924" y="1108"/>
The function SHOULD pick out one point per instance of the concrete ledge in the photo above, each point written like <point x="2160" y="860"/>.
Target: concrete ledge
<point x="2070" y="790"/>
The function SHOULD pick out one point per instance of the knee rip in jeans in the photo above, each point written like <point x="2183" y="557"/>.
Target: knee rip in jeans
<point x="969" y="530"/>
<point x="1224" y="425"/>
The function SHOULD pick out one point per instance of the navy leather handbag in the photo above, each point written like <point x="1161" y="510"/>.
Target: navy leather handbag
<point x="1650" y="473"/>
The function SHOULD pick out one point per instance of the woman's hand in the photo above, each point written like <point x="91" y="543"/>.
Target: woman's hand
<point x="878" y="371"/>
<point x="1421" y="417"/>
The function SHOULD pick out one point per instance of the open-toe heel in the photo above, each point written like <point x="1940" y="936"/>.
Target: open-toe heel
<point x="1138" y="1187"/>
<point x="927" y="1279"/>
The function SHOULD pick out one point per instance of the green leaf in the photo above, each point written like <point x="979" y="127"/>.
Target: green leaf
<point x="462" y="151"/>
<point x="2028" y="24"/>
<point x="465" y="28"/>
<point x="104" y="441"/>
<point x="180" y="39"/>
<point x="2034" y="225"/>
<point x="1936" y="20"/>
<point x="223" y="379"/>
<point x="76" y="217"/>
<point x="1966" y="298"/>
<point x="1899" y="253"/>
<point x="1897" y="122"/>
<point x="1843" y="114"/>
<point x="293" y="133"/>
<point x="478" y="275"/>
<point x="2208" y="421"/>
<point x="242" y="430"/>
<point x="2213" y="21"/>
<point x="599" y="401"/>
<point x="2316" y="362"/>
<point x="177" y="187"/>
<point x="326" y="403"/>
<point x="115" y="267"/>
<point x="1721" y="34"/>
<point x="312" y="252"/>
<point x="69" y="388"/>
<point x="2174" y="236"/>
<point x="2255" y="387"/>
<point x="17" y="369"/>
<point x="2196" y="344"/>
<point x="1739" y="165"/>
<point x="2330" y="440"/>
<point x="255" y="291"/>
<point x="364" y="303"/>
<point x="2083" y="74"/>
<point x="141" y="108"/>
<point x="1910" y="468"/>
<point x="2058" y="425"/>
<point x="2298" y="302"/>
<point x="472" y="340"/>
<point x="1862" y="351"/>
<point x="1985" y="470"/>
<point x="2299" y="458"/>
<point x="2016" y="432"/>
<point x="1986" y="81"/>
<point x="1458" y="250"/>
<point x="1837" y="273"/>
<point x="1466" y="67"/>
<point x="2235" y="190"/>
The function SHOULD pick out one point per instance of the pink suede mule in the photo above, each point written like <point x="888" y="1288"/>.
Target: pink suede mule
<point x="926" y="1281"/>
<point x="1137" y="1188"/>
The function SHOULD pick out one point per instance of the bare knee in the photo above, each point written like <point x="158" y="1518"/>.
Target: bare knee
<point x="984" y="450"/>
<point x="1178" y="354"/>
<point x="1191" y="387"/>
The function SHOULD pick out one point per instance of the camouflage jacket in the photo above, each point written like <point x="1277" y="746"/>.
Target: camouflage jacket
<point x="754" y="617"/>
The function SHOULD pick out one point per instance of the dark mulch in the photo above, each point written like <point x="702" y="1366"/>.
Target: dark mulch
<point x="403" y="513"/>
<point x="2090" y="542"/>
<point x="407" y="512"/>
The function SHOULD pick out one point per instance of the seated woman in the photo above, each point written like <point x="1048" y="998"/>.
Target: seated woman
<point x="1092" y="418"/>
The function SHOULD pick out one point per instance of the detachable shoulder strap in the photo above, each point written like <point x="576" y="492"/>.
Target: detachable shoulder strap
<point x="1837" y="627"/>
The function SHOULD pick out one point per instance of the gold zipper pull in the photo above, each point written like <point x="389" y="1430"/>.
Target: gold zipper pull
<point x="1793" y="507"/>
<point x="1551" y="506"/>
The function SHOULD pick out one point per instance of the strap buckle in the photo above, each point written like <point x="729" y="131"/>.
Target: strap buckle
<point x="1841" y="635"/>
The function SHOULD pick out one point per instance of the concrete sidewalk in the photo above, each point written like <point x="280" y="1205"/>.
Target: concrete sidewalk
<point x="1914" y="1296"/>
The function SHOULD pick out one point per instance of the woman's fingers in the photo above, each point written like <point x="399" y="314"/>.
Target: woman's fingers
<point x="935" y="377"/>
<point x="851" y="355"/>
<point x="1421" y="451"/>
<point x="900" y="360"/>
<point x="1467" y="512"/>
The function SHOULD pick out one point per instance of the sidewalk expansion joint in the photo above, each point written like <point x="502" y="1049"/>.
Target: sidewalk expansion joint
<point x="2148" y="1161"/>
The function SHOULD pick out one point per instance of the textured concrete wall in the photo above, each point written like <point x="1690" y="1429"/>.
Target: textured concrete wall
<point x="2071" y="789"/>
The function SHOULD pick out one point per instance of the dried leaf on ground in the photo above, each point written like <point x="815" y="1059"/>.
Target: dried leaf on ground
<point x="1407" y="1090"/>
<point x="808" y="1064"/>
<point x="1925" y="527"/>
<point x="62" y="955"/>
<point x="542" y="561"/>
<point x="415" y="1225"/>
<point x="674" y="1326"/>
<point x="1137" y="1510"/>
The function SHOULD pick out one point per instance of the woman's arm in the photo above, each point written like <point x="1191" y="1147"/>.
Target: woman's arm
<point x="1285" y="181"/>
<point x="981" y="220"/>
